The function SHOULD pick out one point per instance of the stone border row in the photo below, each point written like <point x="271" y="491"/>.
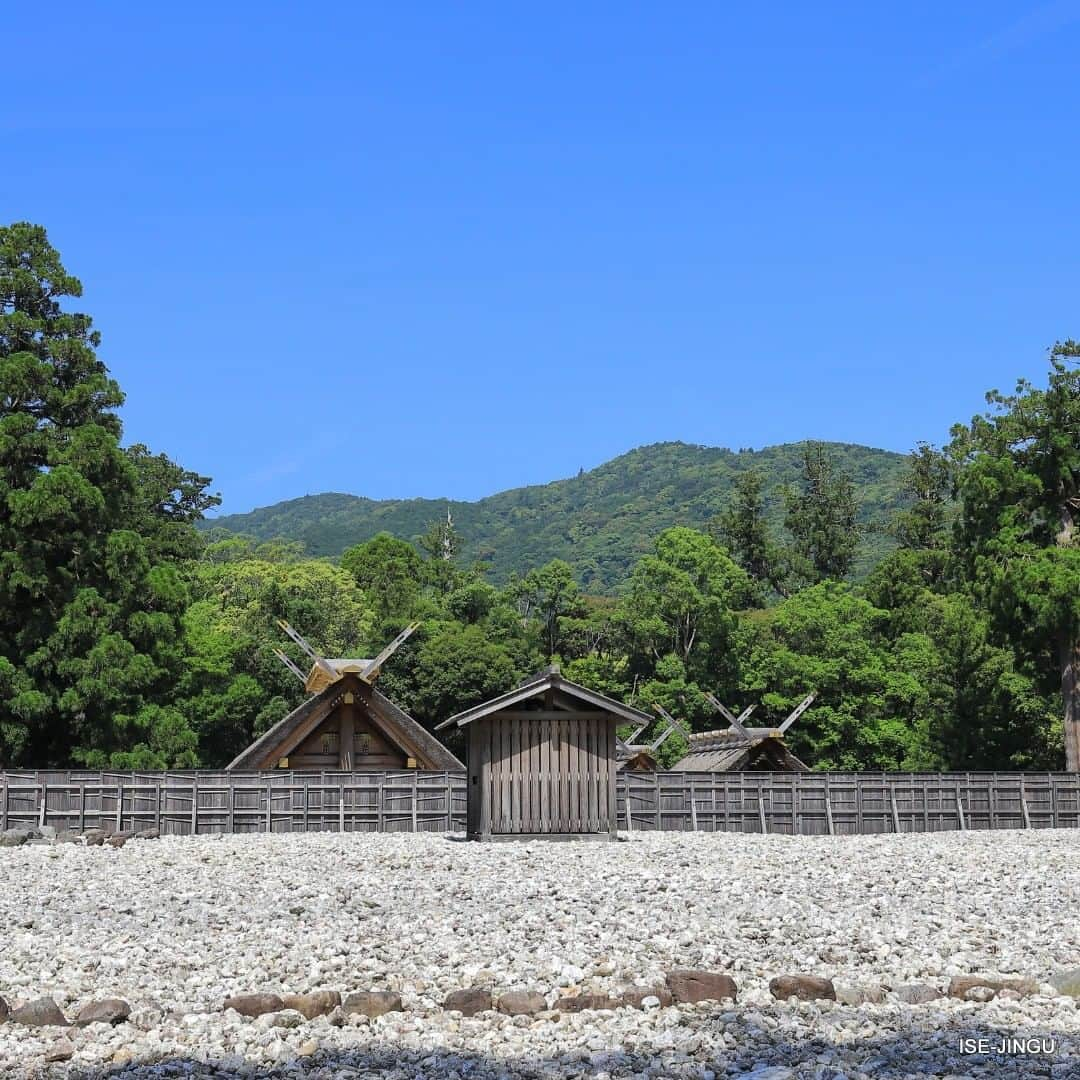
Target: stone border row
<point x="681" y="987"/>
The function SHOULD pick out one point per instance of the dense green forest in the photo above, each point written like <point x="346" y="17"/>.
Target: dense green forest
<point x="600" y="522"/>
<point x="932" y="602"/>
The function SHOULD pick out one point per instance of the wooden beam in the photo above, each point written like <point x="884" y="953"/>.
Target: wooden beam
<point x="371" y="672"/>
<point x="728" y="715"/>
<point x="798" y="711"/>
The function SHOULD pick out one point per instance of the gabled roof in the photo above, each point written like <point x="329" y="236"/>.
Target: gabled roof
<point x="396" y="724"/>
<point x="548" y="679"/>
<point x="729" y="750"/>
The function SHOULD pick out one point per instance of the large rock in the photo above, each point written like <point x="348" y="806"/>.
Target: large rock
<point x="119" y="839"/>
<point x="521" y="1003"/>
<point x="317" y="1003"/>
<point x="106" y="1011"/>
<point x="585" y="1001"/>
<point x="44" y="1012"/>
<point x="633" y="997"/>
<point x="4" y="1010"/>
<point x="860" y="995"/>
<point x="916" y="993"/>
<point x="688" y="986"/>
<point x="469" y="1001"/>
<point x="94" y="837"/>
<point x="1067" y="983"/>
<point x="61" y="1050"/>
<point x="254" y="1004"/>
<point x="803" y="987"/>
<point x="14" y="837"/>
<point x="372" y="1002"/>
<point x="961" y="986"/>
<point x="147" y="834"/>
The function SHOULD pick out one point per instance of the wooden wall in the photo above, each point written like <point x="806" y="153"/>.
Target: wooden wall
<point x="542" y="773"/>
<point x="416" y="801"/>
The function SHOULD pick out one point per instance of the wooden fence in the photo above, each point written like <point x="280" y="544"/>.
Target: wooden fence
<point x="820" y="804"/>
<point x="221" y="802"/>
<point x="413" y="801"/>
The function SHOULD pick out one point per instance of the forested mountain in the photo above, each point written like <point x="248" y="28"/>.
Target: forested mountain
<point x="600" y="522"/>
<point x="130" y="640"/>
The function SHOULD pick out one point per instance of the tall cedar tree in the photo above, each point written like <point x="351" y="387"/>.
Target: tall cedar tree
<point x="90" y="595"/>
<point x="1019" y="487"/>
<point x="743" y="529"/>
<point x="821" y="518"/>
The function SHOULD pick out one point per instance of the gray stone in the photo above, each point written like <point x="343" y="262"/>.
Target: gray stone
<point x="585" y="1001"/>
<point x="44" y="1012"/>
<point x="61" y="1050"/>
<point x="94" y="837"/>
<point x="633" y="997"/>
<point x="372" y="1002"/>
<point x="469" y="1001"/>
<point x="860" y="995"/>
<point x="14" y="837"/>
<point x="803" y="987"/>
<point x="147" y="834"/>
<point x="253" y="1004"/>
<point x="916" y="993"/>
<point x="5" y="1012"/>
<point x="119" y="839"/>
<point x="106" y="1011"/>
<point x="521" y="1003"/>
<point x="689" y="986"/>
<point x="1067" y="983"/>
<point x="960" y="986"/>
<point x="317" y="1003"/>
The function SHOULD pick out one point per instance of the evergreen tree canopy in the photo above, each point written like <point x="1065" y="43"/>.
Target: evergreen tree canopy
<point x="90" y="534"/>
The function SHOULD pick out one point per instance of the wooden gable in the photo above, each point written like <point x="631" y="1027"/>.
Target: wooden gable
<point x="349" y="726"/>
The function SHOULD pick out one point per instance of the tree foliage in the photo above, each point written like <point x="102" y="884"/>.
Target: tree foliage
<point x="91" y="538"/>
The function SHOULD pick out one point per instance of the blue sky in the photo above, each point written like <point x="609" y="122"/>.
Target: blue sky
<point x="446" y="249"/>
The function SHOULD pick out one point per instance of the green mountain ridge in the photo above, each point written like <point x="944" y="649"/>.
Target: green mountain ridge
<point x="600" y="521"/>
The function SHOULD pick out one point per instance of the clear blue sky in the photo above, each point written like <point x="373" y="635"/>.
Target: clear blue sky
<point x="445" y="249"/>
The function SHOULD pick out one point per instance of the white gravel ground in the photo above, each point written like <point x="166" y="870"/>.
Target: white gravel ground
<point x="175" y="925"/>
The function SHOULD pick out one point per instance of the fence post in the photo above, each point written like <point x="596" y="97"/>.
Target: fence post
<point x="119" y="805"/>
<point x="194" y="806"/>
<point x="44" y="803"/>
<point x="341" y="806"/>
<point x="960" y="809"/>
<point x="269" y="807"/>
<point x="895" y="812"/>
<point x="761" y="814"/>
<point x="82" y="808"/>
<point x="4" y="809"/>
<point x="828" y="813"/>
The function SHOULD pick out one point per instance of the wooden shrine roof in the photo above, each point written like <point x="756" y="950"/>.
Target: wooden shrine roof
<point x="730" y="750"/>
<point x="396" y="724"/>
<point x="548" y="679"/>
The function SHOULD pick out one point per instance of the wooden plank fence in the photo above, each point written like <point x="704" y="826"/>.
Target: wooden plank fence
<point x="414" y="801"/>
<point x="221" y="802"/>
<point x="822" y="804"/>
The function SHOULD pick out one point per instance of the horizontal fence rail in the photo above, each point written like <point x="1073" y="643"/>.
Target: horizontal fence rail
<point x="807" y="804"/>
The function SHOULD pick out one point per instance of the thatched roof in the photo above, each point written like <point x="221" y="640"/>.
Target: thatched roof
<point x="398" y="727"/>
<point x="731" y="750"/>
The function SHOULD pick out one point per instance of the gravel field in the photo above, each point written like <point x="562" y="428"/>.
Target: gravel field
<point x="175" y="925"/>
